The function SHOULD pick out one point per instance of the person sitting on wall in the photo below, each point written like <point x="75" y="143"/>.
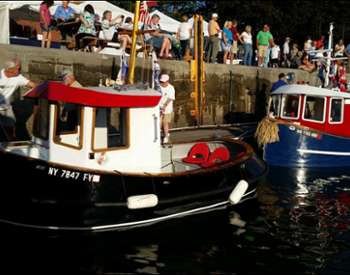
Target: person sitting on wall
<point x="10" y="81"/>
<point x="64" y="14"/>
<point x="87" y="28"/>
<point x="157" y="39"/>
<point x="124" y="38"/>
<point x="306" y="64"/>
<point x="109" y="26"/>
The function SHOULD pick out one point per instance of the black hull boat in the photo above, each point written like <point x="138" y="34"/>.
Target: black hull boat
<point x="45" y="195"/>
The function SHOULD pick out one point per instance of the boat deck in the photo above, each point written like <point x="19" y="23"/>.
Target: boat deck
<point x="215" y="132"/>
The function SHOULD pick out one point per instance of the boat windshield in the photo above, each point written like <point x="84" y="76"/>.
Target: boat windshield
<point x="336" y="114"/>
<point x="314" y="109"/>
<point x="275" y="105"/>
<point x="290" y="106"/>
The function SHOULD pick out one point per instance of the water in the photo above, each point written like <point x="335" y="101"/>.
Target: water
<point x="299" y="225"/>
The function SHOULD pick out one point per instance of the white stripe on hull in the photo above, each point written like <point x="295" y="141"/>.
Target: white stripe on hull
<point x="129" y="224"/>
<point x="318" y="152"/>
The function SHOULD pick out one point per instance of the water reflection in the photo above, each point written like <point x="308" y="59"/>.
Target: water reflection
<point x="298" y="225"/>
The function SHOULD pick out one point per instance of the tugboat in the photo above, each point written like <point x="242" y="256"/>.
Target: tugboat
<point x="96" y="162"/>
<point x="307" y="126"/>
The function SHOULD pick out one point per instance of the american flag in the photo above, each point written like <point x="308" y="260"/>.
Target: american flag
<point x="145" y="18"/>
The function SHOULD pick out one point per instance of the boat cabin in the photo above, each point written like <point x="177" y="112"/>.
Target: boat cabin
<point x="316" y="108"/>
<point x="109" y="130"/>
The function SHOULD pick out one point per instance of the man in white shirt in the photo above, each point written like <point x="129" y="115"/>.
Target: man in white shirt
<point x="166" y="105"/>
<point x="10" y="81"/>
<point x="184" y="34"/>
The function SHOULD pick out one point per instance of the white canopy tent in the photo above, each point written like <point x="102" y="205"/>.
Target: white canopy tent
<point x="101" y="6"/>
<point x="35" y="5"/>
<point x="4" y="23"/>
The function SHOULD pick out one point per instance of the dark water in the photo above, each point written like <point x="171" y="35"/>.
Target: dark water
<point x="299" y="225"/>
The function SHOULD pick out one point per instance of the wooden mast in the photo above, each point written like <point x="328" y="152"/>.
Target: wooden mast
<point x="133" y="45"/>
<point x="197" y="70"/>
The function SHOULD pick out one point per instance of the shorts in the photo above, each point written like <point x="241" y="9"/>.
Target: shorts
<point x="227" y="47"/>
<point x="234" y="48"/>
<point x="156" y="41"/>
<point x="48" y="29"/>
<point x="167" y="118"/>
<point x="262" y="51"/>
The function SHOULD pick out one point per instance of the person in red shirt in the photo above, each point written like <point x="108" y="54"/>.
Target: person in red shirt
<point x="235" y="35"/>
<point x="45" y="23"/>
<point x="341" y="76"/>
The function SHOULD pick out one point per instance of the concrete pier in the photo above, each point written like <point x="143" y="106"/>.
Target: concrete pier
<point x="228" y="88"/>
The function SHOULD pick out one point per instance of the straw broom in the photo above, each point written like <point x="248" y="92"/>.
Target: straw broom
<point x="266" y="132"/>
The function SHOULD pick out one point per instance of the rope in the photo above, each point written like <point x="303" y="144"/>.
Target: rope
<point x="266" y="132"/>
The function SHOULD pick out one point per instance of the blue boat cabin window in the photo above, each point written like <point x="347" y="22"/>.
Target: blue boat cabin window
<point x="41" y="119"/>
<point x="68" y="125"/>
<point x="314" y="109"/>
<point x="290" y="106"/>
<point x="275" y="105"/>
<point x="110" y="129"/>
<point x="336" y="112"/>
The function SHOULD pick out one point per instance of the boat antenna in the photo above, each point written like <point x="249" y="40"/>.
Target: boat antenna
<point x="329" y="54"/>
<point x="133" y="45"/>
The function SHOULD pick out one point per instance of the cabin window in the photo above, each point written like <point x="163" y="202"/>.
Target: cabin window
<point x="275" y="105"/>
<point x="68" y="125"/>
<point x="110" y="130"/>
<point x="314" y="109"/>
<point x="41" y="119"/>
<point x="290" y="106"/>
<point x="336" y="111"/>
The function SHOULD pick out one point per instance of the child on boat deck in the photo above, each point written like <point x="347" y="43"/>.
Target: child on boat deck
<point x="166" y="104"/>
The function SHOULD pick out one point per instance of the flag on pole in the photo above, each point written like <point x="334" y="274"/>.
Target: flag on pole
<point x="145" y="17"/>
<point x="144" y="14"/>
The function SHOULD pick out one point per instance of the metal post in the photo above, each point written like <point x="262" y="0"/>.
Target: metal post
<point x="329" y="54"/>
<point x="133" y="46"/>
<point x="195" y="51"/>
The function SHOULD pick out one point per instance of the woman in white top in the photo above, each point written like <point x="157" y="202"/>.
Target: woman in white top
<point x="109" y="26"/>
<point x="125" y="38"/>
<point x="246" y="39"/>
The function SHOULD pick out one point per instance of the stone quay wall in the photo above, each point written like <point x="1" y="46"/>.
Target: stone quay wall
<point x="228" y="88"/>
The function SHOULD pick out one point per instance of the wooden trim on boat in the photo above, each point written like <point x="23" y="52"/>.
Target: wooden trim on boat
<point x="56" y="140"/>
<point x="248" y="154"/>
<point x="127" y="129"/>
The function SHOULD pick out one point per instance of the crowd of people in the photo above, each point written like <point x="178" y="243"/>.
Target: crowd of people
<point x="225" y="45"/>
<point x="91" y="33"/>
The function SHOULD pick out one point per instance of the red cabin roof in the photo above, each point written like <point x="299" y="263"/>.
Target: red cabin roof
<point x="95" y="96"/>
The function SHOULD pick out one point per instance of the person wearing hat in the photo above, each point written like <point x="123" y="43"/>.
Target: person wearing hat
<point x="68" y="111"/>
<point x="166" y="105"/>
<point x="10" y="81"/>
<point x="214" y="39"/>
<point x="68" y="79"/>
